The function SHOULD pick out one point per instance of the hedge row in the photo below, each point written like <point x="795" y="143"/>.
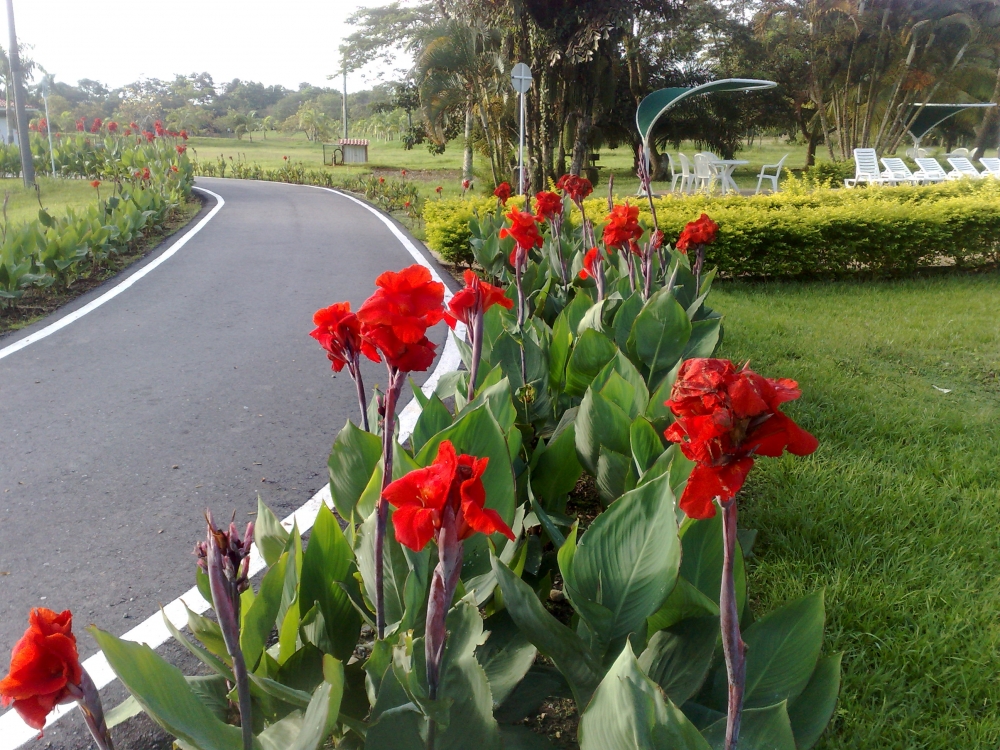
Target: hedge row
<point x="883" y="230"/>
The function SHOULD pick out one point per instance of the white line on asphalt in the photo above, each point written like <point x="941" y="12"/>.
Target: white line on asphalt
<point x="152" y="631"/>
<point x="118" y="288"/>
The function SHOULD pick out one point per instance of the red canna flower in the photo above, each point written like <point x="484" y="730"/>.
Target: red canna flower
<point x="406" y="204"/>
<point x="32" y="127"/>
<point x="158" y="127"/>
<point x="396" y="317"/>
<point x="633" y="247"/>
<point x="133" y="125"/>
<point x="181" y="149"/>
<point x="44" y="667"/>
<point x="466" y="184"/>
<point x="338" y="330"/>
<point x="183" y="134"/>
<point x="704" y="231"/>
<point x="725" y="419"/>
<point x="622" y="226"/>
<point x="420" y="498"/>
<point x="128" y="131"/>
<point x="503" y="192"/>
<point x="524" y="229"/>
<point x="590" y="261"/>
<point x="548" y="205"/>
<point x="150" y="137"/>
<point x="381" y="180"/>
<point x="112" y="127"/>
<point x="476" y="298"/>
<point x="576" y="187"/>
<point x="402" y="172"/>
<point x="95" y="183"/>
<point x="438" y="190"/>
<point x="81" y="125"/>
<point x="146" y="175"/>
<point x="285" y="158"/>
<point x="173" y="168"/>
<point x="95" y="127"/>
<point x="656" y="241"/>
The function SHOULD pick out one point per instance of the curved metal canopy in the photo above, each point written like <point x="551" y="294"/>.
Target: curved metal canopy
<point x="653" y="107"/>
<point x="933" y="115"/>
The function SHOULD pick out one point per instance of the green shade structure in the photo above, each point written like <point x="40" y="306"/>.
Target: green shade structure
<point x="921" y="121"/>
<point x="654" y="106"/>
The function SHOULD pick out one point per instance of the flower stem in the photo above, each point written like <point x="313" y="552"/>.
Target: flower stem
<point x="476" y="334"/>
<point x="396" y="380"/>
<point x="93" y="713"/>
<point x="732" y="643"/>
<point x="355" y="369"/>
<point x="521" y="312"/>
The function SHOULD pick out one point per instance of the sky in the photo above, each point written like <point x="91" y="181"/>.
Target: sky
<point x="116" y="42"/>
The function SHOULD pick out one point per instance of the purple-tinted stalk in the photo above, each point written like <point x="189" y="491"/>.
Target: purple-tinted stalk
<point x="476" y="335"/>
<point x="611" y="192"/>
<point x="647" y="268"/>
<point x="444" y="581"/>
<point x="555" y="226"/>
<point x="626" y="251"/>
<point x="226" y="559"/>
<point x="521" y="257"/>
<point x="397" y="379"/>
<point x="646" y="181"/>
<point x="699" y="262"/>
<point x="89" y="699"/>
<point x="354" y="368"/>
<point x="732" y="643"/>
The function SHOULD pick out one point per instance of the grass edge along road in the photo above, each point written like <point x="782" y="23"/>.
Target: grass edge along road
<point x="897" y="514"/>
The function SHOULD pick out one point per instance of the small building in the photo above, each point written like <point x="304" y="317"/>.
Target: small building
<point x="5" y="129"/>
<point x="355" y="150"/>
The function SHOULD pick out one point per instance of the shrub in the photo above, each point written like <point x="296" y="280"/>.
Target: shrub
<point x="881" y="230"/>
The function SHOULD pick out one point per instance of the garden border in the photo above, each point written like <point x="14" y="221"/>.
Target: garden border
<point x="152" y="631"/>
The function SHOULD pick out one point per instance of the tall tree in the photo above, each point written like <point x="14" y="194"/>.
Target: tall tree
<point x="17" y="75"/>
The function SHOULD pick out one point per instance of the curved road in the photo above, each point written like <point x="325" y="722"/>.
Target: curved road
<point x="196" y="387"/>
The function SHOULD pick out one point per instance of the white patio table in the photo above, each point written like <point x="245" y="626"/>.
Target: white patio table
<point x="725" y="168"/>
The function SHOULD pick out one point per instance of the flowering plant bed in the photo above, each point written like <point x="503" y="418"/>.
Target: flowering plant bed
<point x="422" y="621"/>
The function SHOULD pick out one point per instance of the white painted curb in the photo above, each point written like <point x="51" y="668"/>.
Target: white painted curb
<point x="152" y="631"/>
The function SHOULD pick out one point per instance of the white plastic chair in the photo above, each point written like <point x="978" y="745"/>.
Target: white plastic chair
<point x="930" y="170"/>
<point x="896" y="169"/>
<point x="991" y="164"/>
<point x="687" y="174"/>
<point x="913" y="153"/>
<point x="961" y="152"/>
<point x="705" y="174"/>
<point x="683" y="176"/>
<point x="963" y="168"/>
<point x="866" y="169"/>
<point x="772" y="177"/>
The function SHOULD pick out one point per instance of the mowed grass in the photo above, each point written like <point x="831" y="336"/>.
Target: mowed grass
<point x="57" y="195"/>
<point x="897" y="515"/>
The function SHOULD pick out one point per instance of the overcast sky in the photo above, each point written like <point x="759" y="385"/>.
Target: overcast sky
<point x="277" y="42"/>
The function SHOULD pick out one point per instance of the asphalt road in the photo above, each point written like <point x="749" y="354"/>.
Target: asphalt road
<point x="198" y="387"/>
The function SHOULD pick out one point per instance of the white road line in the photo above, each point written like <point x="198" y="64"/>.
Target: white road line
<point x="152" y="631"/>
<point x="118" y="288"/>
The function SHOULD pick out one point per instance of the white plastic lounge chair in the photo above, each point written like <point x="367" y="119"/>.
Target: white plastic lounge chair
<point x="866" y="169"/>
<point x="991" y="164"/>
<point x="896" y="169"/>
<point x="683" y="176"/>
<point x="704" y="173"/>
<point x="772" y="177"/>
<point x="913" y="153"/>
<point x="930" y="169"/>
<point x="964" y="152"/>
<point x="963" y="167"/>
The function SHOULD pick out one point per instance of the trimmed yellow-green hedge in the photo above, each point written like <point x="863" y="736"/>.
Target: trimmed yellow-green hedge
<point x="886" y="230"/>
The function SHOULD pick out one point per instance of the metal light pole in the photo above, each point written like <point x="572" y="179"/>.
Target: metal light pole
<point x="48" y="122"/>
<point x="23" y="141"/>
<point x="520" y="79"/>
<point x="345" y="104"/>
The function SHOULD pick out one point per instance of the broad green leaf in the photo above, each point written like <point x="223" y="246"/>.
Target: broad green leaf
<point x="506" y="656"/>
<point x="260" y="618"/>
<point x="627" y="712"/>
<point x="761" y="729"/>
<point x="206" y="658"/>
<point x="646" y="444"/>
<point x="122" y="712"/>
<point x="657" y="410"/>
<point x="542" y="681"/>
<point x="600" y="423"/>
<point x="209" y="633"/>
<point x="782" y="650"/>
<point x="615" y="475"/>
<point x="701" y="563"/>
<point x="683" y="602"/>
<point x="678" y="659"/>
<point x="328" y="559"/>
<point x="517" y="737"/>
<point x="497" y="397"/>
<point x="395" y="569"/>
<point x="353" y="459"/>
<point x="268" y="533"/>
<point x="433" y="418"/>
<point x="593" y="318"/>
<point x="623" y="368"/>
<point x="553" y="639"/>
<point x="625" y="318"/>
<point x="562" y="341"/>
<point x="165" y="695"/>
<point x="704" y="338"/>
<point x="812" y="710"/>
<point x="660" y="334"/>
<point x="557" y="468"/>
<point x="592" y="352"/>
<point x="628" y="559"/>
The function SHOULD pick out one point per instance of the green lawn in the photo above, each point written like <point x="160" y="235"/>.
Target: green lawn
<point x="897" y="514"/>
<point x="56" y="195"/>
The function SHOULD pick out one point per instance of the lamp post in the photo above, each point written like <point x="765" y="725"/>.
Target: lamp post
<point x="520" y="79"/>
<point x="16" y="74"/>
<point x="48" y="122"/>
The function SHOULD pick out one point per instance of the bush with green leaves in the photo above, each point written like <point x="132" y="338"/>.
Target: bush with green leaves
<point x="572" y="384"/>
<point x="801" y="231"/>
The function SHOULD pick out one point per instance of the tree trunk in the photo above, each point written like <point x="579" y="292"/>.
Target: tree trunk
<point x="583" y="125"/>
<point x="467" y="156"/>
<point x="23" y="137"/>
<point x="989" y="132"/>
